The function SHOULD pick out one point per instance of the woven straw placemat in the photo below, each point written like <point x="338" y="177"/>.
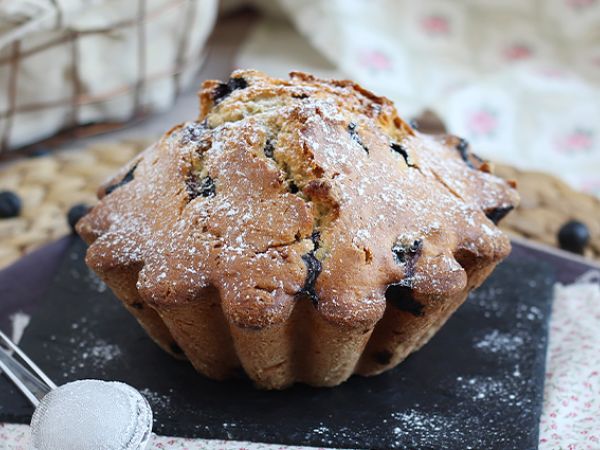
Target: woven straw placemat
<point x="50" y="185"/>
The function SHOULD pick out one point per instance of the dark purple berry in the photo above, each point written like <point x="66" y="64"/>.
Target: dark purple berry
<point x="10" y="204"/>
<point x="40" y="151"/>
<point x="75" y="213"/>
<point x="574" y="236"/>
<point x="293" y="187"/>
<point x="269" y="149"/>
<point x="176" y="349"/>
<point x="407" y="255"/>
<point x="315" y="237"/>
<point x="497" y="214"/>
<point x="404" y="254"/>
<point x="193" y="131"/>
<point x="399" y="148"/>
<point x="383" y="357"/>
<point x="463" y="149"/>
<point x="204" y="187"/>
<point x="401" y="296"/>
<point x="126" y="179"/>
<point x="313" y="270"/>
<point x="224" y="89"/>
<point x="355" y="137"/>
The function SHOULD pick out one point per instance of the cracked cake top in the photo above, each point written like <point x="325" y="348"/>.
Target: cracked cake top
<point x="299" y="190"/>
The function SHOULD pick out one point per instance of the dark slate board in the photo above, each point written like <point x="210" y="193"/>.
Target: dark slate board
<point x="477" y="384"/>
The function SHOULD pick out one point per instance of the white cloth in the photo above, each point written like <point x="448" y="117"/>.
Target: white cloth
<point x="520" y="79"/>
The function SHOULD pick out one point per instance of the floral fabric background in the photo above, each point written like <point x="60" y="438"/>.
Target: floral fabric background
<point x="520" y="79"/>
<point x="571" y="411"/>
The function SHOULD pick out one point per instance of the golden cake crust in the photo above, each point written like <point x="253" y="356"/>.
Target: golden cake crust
<point x="299" y="191"/>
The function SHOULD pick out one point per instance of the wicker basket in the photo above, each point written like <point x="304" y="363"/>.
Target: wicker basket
<point x="69" y="63"/>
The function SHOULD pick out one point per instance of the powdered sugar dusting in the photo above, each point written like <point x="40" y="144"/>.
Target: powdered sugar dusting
<point x="498" y="342"/>
<point x="92" y="353"/>
<point x="101" y="353"/>
<point x="332" y="166"/>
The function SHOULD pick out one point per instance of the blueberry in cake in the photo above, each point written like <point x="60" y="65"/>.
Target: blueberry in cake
<point x="298" y="229"/>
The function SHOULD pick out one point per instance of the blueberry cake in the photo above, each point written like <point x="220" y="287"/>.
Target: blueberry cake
<point x="298" y="231"/>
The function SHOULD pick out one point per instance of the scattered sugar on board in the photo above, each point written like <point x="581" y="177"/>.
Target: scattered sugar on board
<point x="87" y="350"/>
<point x="498" y="342"/>
<point x="101" y="353"/>
<point x="416" y="428"/>
<point x="160" y="402"/>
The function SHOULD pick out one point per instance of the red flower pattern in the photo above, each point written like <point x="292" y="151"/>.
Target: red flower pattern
<point x="580" y="4"/>
<point x="435" y="24"/>
<point x="571" y="413"/>
<point x="482" y="122"/>
<point x="576" y="141"/>
<point x="517" y="52"/>
<point x="375" y="60"/>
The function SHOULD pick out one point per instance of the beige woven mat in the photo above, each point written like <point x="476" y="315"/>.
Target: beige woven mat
<point x="50" y="185"/>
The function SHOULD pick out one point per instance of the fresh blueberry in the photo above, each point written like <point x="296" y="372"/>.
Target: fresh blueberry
<point x="75" y="213"/>
<point x="10" y="204"/>
<point x="40" y="151"/>
<point x="574" y="236"/>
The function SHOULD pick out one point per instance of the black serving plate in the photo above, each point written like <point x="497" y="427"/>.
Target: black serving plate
<point x="477" y="384"/>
